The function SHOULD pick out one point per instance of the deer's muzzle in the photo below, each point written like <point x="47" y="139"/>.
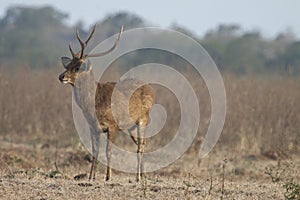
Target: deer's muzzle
<point x="61" y="78"/>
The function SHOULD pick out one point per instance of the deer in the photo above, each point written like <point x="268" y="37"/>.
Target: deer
<point x="94" y="100"/>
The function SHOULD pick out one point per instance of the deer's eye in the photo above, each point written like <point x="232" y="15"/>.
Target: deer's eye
<point x="77" y="69"/>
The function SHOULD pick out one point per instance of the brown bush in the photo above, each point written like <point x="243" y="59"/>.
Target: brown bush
<point x="262" y="112"/>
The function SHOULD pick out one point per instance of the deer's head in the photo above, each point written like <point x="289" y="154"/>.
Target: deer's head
<point x="73" y="66"/>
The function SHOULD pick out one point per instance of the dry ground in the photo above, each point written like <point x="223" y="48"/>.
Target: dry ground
<point x="120" y="188"/>
<point x="29" y="172"/>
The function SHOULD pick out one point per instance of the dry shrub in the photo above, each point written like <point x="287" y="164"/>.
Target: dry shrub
<point x="34" y="106"/>
<point x="262" y="112"/>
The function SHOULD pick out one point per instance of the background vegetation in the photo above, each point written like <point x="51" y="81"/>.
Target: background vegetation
<point x="38" y="36"/>
<point x="260" y="75"/>
<point x="38" y="140"/>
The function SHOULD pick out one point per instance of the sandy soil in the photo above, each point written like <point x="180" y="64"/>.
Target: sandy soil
<point x="28" y="172"/>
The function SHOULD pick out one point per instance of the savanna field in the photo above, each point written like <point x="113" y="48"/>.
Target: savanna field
<point x="256" y="157"/>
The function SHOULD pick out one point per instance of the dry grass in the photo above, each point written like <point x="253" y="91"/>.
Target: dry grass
<point x="36" y="130"/>
<point x="262" y="112"/>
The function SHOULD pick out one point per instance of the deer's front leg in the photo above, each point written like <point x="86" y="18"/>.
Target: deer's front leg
<point x="95" y="140"/>
<point x="110" y="138"/>
<point x="92" y="168"/>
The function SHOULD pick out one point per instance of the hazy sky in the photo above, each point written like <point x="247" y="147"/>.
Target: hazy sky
<point x="269" y="16"/>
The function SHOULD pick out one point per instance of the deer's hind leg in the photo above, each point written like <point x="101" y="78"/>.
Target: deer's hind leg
<point x="137" y="133"/>
<point x="141" y="150"/>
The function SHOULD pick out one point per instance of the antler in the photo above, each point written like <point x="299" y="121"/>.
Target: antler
<point x="111" y="49"/>
<point x="84" y="45"/>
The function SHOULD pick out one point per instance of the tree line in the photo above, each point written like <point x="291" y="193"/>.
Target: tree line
<point x="38" y="36"/>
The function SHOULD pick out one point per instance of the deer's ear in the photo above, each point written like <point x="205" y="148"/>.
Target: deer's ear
<point x="65" y="61"/>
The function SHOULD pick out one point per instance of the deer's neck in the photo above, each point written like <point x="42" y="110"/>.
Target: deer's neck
<point x="84" y="91"/>
<point x="85" y="80"/>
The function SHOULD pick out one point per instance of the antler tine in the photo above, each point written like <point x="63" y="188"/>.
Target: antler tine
<point x="71" y="50"/>
<point x="82" y="43"/>
<point x="111" y="49"/>
<point x="92" y="33"/>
